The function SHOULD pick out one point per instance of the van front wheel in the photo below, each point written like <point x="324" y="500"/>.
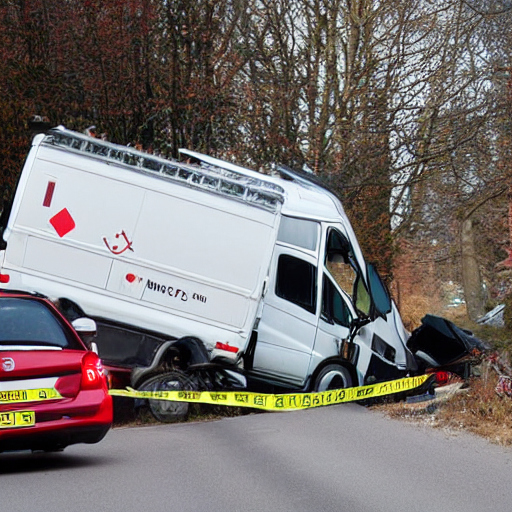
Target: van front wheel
<point x="333" y="376"/>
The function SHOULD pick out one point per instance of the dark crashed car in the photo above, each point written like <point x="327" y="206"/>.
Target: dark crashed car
<point x="53" y="391"/>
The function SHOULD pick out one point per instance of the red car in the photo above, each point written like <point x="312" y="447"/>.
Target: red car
<point x="53" y="391"/>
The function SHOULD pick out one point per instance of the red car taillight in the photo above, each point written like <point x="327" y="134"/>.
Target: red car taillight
<point x="92" y="372"/>
<point x="91" y="377"/>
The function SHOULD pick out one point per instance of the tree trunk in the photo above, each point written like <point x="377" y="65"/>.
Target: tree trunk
<point x="471" y="277"/>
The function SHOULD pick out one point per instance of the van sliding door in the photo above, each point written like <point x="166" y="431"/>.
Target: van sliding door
<point x="286" y="332"/>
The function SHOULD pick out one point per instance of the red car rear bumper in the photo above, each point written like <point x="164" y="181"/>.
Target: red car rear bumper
<point x="85" y="419"/>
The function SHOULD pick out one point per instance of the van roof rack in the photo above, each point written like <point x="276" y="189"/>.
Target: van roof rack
<point x="229" y="181"/>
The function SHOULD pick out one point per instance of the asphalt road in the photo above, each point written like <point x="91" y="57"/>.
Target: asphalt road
<point x="340" y="458"/>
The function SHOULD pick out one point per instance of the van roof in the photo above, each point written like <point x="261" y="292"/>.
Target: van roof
<point x="295" y="195"/>
<point x="303" y="196"/>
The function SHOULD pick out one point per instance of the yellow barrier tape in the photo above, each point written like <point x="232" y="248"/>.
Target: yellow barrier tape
<point x="28" y="395"/>
<point x="15" y="419"/>
<point x="279" y="402"/>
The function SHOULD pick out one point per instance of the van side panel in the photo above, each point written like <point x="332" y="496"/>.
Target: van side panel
<point x="99" y="208"/>
<point x="185" y="296"/>
<point x="202" y="240"/>
<point x="94" y="228"/>
<point x="66" y="262"/>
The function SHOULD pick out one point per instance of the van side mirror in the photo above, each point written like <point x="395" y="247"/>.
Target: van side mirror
<point x="356" y="324"/>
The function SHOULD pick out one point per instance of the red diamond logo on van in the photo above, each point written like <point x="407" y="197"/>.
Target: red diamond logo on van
<point x="63" y="222"/>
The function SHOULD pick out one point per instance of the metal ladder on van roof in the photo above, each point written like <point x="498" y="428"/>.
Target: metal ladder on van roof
<point x="211" y="178"/>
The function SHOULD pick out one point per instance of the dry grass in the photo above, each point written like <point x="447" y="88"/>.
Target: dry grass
<point x="414" y="307"/>
<point x="480" y="410"/>
<point x="477" y="409"/>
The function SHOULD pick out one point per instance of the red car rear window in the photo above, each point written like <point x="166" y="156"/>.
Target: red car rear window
<point x="24" y="321"/>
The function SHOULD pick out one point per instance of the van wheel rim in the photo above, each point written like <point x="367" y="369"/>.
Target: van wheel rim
<point x="334" y="378"/>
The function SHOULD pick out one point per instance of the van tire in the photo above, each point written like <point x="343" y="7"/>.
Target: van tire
<point x="332" y="376"/>
<point x="168" y="411"/>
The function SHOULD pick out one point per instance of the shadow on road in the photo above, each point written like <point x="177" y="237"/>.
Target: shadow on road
<point x="27" y="462"/>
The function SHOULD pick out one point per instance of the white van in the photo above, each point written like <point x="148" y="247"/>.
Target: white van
<point x="191" y="263"/>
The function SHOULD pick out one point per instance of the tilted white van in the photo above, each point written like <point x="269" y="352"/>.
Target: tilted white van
<point x="200" y="262"/>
